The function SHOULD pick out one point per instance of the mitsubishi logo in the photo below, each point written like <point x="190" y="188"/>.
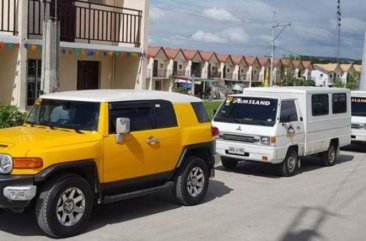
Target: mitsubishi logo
<point x="239" y="128"/>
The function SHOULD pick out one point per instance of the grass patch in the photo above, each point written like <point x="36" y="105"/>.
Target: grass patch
<point x="212" y="106"/>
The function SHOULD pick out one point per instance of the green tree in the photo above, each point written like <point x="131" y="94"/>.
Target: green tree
<point x="352" y="80"/>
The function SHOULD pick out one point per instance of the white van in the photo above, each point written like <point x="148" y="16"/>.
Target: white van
<point x="358" y="132"/>
<point x="278" y="125"/>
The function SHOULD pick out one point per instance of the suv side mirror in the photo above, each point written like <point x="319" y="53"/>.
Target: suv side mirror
<point x="122" y="127"/>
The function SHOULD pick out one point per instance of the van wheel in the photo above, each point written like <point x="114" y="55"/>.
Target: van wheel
<point x="64" y="206"/>
<point x="289" y="166"/>
<point x="229" y="163"/>
<point x="329" y="157"/>
<point x="192" y="182"/>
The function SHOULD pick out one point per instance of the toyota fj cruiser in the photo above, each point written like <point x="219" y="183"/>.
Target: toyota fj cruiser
<point x="80" y="147"/>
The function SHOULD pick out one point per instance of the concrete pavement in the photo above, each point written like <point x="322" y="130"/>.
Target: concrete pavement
<point x="251" y="203"/>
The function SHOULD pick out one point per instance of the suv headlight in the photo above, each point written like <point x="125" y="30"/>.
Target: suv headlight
<point x="6" y="164"/>
<point x="266" y="140"/>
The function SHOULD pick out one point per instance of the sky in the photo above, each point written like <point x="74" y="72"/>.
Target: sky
<point x="245" y="26"/>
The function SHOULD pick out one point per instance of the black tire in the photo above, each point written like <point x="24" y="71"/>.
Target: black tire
<point x="329" y="158"/>
<point x="48" y="215"/>
<point x="189" y="192"/>
<point x="229" y="163"/>
<point x="289" y="166"/>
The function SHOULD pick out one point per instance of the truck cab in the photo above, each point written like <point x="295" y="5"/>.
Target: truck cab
<point x="358" y="132"/>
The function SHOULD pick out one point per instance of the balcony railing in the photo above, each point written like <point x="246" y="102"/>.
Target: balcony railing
<point x="9" y="16"/>
<point x="180" y="72"/>
<point x="160" y="73"/>
<point x="87" y="21"/>
<point x="214" y="74"/>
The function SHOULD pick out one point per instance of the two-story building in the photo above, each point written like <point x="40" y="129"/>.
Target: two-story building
<point x="102" y="46"/>
<point x="326" y="74"/>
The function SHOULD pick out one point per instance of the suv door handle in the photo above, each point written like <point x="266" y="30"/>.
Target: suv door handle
<point x="152" y="140"/>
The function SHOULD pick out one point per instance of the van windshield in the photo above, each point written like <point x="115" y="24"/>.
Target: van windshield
<point x="248" y="110"/>
<point x="358" y="106"/>
<point x="76" y="115"/>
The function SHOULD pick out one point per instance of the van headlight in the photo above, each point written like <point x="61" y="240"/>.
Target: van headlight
<point x="6" y="164"/>
<point x="266" y="140"/>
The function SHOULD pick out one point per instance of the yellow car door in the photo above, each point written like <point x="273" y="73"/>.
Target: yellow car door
<point x="148" y="149"/>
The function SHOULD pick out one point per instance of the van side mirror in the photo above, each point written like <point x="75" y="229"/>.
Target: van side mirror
<point x="123" y="126"/>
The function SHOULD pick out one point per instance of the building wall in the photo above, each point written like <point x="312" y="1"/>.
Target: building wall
<point x="8" y="63"/>
<point x="128" y="70"/>
<point x="320" y="78"/>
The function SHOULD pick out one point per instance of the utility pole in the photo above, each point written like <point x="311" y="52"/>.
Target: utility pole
<point x="50" y="51"/>
<point x="362" y="85"/>
<point x="275" y="25"/>
<point x="339" y="24"/>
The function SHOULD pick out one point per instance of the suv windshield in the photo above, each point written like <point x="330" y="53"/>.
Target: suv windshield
<point x="67" y="114"/>
<point x="358" y="106"/>
<point x="248" y="110"/>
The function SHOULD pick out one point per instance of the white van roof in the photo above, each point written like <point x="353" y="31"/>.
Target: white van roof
<point x="120" y="95"/>
<point x="358" y="93"/>
<point x="294" y="90"/>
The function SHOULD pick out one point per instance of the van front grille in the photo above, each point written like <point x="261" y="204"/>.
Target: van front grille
<point x="248" y="139"/>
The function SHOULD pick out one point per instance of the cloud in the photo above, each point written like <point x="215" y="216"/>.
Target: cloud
<point x="220" y="14"/>
<point x="208" y="37"/>
<point x="156" y="13"/>
<point x="236" y="35"/>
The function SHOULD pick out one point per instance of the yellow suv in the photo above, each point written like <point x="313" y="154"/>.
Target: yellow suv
<point x="102" y="146"/>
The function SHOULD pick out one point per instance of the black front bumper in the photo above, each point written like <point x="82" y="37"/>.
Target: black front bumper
<point x="9" y="180"/>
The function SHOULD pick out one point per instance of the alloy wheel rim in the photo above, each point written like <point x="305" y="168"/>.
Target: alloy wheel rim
<point x="195" y="181"/>
<point x="70" y="207"/>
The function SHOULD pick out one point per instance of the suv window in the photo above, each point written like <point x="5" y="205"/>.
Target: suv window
<point x="339" y="103"/>
<point x="165" y="114"/>
<point x="140" y="114"/>
<point x="201" y="112"/>
<point x="288" y="111"/>
<point x="320" y="104"/>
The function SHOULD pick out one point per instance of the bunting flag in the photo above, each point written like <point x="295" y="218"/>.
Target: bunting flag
<point x="78" y="51"/>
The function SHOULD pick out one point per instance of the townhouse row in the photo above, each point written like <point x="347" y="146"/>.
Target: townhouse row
<point x="102" y="46"/>
<point x="165" y="65"/>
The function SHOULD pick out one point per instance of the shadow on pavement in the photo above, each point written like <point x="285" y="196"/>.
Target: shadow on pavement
<point x="356" y="147"/>
<point x="25" y="224"/>
<point x="272" y="171"/>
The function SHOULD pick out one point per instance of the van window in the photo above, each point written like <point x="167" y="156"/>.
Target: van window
<point x="248" y="110"/>
<point x="201" y="112"/>
<point x="339" y="103"/>
<point x="141" y="115"/>
<point x="358" y="106"/>
<point x="320" y="104"/>
<point x="165" y="114"/>
<point x="288" y="111"/>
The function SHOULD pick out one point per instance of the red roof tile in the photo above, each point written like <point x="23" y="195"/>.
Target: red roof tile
<point x="189" y="54"/>
<point x="237" y="59"/>
<point x="264" y="61"/>
<point x="222" y="57"/>
<point x="153" y="51"/>
<point x="171" y="53"/>
<point x="206" y="56"/>
<point x="250" y="59"/>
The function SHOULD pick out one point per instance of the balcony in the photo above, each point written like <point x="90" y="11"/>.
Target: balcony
<point x="179" y="72"/>
<point x="9" y="16"/>
<point x="86" y="22"/>
<point x="160" y="73"/>
<point x="214" y="74"/>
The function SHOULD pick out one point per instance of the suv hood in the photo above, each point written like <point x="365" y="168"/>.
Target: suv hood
<point x="20" y="140"/>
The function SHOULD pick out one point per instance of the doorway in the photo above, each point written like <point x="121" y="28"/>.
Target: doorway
<point x="33" y="80"/>
<point x="88" y="75"/>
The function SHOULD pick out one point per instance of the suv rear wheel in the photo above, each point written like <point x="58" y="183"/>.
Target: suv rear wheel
<point x="229" y="163"/>
<point x="64" y="206"/>
<point x="192" y="182"/>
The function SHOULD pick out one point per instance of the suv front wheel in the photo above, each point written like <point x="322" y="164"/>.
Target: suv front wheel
<point x="192" y="182"/>
<point x="64" y="206"/>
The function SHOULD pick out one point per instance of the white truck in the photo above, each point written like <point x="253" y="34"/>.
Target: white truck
<point x="358" y="132"/>
<point x="279" y="125"/>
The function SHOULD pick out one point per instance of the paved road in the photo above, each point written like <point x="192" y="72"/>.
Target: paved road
<point x="251" y="203"/>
